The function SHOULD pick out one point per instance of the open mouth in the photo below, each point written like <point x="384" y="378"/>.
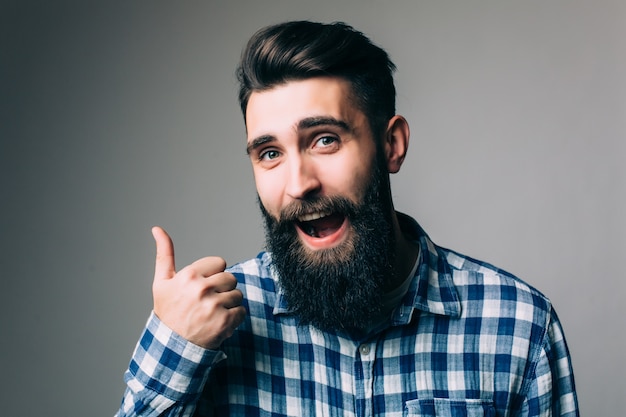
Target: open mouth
<point x="321" y="224"/>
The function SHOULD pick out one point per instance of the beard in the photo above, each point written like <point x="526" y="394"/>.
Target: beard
<point x="338" y="288"/>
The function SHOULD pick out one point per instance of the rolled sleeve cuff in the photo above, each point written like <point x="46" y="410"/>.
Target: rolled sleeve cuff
<point x="170" y="365"/>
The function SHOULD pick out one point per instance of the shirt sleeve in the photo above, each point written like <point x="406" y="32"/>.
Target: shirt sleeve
<point x="166" y="374"/>
<point x="552" y="390"/>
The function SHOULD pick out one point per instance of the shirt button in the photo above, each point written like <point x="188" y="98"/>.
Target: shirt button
<point x="365" y="349"/>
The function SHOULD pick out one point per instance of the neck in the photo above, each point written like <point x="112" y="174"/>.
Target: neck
<point x="406" y="251"/>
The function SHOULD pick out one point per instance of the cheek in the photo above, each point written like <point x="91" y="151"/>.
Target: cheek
<point x="269" y="189"/>
<point x="347" y="177"/>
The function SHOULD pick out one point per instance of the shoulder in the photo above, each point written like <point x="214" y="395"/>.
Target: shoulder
<point x="488" y="289"/>
<point x="469" y="287"/>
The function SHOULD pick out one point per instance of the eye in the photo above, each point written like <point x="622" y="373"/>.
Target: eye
<point x="326" y="141"/>
<point x="269" y="155"/>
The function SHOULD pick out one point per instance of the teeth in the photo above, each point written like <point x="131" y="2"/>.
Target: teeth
<point x="313" y="216"/>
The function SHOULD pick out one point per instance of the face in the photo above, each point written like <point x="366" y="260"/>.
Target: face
<point x="307" y="139"/>
<point x="323" y="189"/>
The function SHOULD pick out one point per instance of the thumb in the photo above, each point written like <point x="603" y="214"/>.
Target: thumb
<point x="164" y="267"/>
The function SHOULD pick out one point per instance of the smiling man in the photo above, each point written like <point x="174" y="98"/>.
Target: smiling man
<point x="353" y="310"/>
<point x="324" y="193"/>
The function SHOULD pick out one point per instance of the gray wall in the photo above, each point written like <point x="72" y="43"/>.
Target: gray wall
<point x="118" y="116"/>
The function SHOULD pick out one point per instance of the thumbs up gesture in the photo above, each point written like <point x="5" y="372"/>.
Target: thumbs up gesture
<point x="200" y="302"/>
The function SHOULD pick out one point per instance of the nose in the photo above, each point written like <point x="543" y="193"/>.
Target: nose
<point x="302" y="181"/>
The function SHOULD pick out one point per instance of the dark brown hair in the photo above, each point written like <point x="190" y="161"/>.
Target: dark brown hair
<point x="301" y="49"/>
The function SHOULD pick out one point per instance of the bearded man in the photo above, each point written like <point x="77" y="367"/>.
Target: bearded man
<point x="353" y="310"/>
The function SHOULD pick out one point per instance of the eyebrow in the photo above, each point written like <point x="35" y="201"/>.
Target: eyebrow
<point x="257" y="142"/>
<point x="306" y="123"/>
<point x="310" y="122"/>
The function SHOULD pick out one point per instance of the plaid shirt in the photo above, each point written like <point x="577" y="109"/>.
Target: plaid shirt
<point x="468" y="339"/>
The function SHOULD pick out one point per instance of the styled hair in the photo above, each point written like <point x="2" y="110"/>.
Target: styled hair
<point x="299" y="50"/>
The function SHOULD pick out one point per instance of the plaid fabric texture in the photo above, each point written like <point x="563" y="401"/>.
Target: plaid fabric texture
<point x="467" y="340"/>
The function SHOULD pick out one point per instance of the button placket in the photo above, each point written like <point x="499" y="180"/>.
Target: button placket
<point x="365" y="360"/>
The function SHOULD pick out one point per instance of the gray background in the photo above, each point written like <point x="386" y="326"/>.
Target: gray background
<point x="118" y="116"/>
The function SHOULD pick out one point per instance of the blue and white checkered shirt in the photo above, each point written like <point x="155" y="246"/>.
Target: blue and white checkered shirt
<point x="467" y="339"/>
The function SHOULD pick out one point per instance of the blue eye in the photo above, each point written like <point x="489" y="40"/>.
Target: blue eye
<point x="326" y="141"/>
<point x="269" y="155"/>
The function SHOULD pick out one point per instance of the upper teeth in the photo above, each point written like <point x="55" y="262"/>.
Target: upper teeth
<point x="313" y="216"/>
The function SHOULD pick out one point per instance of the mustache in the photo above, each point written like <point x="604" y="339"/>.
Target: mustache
<point x="331" y="204"/>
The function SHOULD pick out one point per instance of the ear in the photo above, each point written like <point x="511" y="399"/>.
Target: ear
<point x="396" y="143"/>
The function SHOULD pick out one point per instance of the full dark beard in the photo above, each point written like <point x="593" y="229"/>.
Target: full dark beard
<point x="338" y="288"/>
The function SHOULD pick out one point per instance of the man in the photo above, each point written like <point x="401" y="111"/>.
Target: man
<point x="353" y="310"/>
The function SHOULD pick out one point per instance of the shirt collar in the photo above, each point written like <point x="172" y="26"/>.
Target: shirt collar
<point x="432" y="289"/>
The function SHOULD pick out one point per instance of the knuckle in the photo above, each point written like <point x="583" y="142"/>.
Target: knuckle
<point x="210" y="307"/>
<point x="186" y="274"/>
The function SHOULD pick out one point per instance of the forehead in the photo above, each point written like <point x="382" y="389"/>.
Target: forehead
<point x="284" y="105"/>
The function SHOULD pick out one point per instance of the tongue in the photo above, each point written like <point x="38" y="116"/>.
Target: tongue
<point x="326" y="225"/>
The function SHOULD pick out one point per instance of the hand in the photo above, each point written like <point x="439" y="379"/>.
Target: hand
<point x="200" y="302"/>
